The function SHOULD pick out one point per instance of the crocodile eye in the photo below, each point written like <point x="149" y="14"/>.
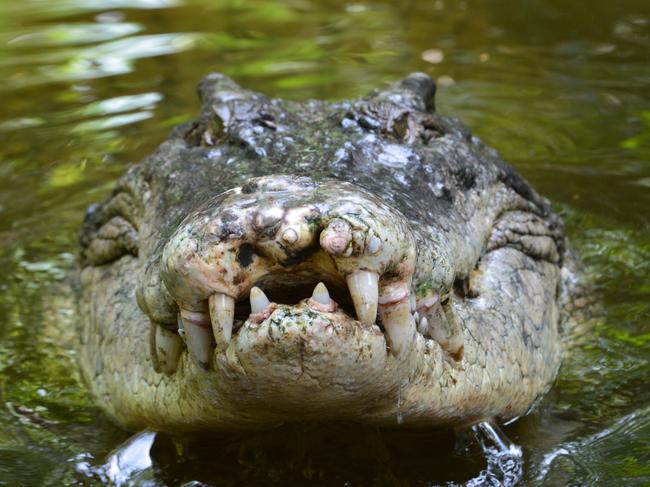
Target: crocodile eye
<point x="521" y="230"/>
<point x="529" y="233"/>
<point x="110" y="230"/>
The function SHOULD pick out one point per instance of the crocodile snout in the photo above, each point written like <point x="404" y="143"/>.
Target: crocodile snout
<point x="281" y="236"/>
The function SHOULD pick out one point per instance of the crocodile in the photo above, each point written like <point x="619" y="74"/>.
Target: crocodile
<point x="279" y="261"/>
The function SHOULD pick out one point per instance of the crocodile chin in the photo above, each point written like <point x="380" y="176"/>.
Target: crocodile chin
<point x="279" y="261"/>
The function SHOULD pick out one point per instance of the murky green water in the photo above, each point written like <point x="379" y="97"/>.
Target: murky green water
<point x="561" y="88"/>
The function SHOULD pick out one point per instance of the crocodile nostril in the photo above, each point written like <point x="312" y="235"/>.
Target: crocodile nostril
<point x="297" y="256"/>
<point x="249" y="187"/>
<point x="245" y="255"/>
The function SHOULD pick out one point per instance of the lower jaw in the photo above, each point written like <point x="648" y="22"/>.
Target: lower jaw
<point x="294" y="366"/>
<point x="293" y="357"/>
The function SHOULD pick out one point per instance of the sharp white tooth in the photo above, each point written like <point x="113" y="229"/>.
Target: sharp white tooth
<point x="259" y="301"/>
<point x="439" y="335"/>
<point x="198" y="337"/>
<point x="181" y="327"/>
<point x="364" y="289"/>
<point x="399" y="325"/>
<point x="199" y="343"/>
<point x="412" y="302"/>
<point x="222" y="316"/>
<point x="445" y="331"/>
<point x="439" y="329"/>
<point x="374" y="245"/>
<point x="321" y="295"/>
<point x="423" y="326"/>
<point x="168" y="349"/>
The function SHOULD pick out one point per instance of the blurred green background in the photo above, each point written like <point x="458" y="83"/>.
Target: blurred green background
<point x="560" y="87"/>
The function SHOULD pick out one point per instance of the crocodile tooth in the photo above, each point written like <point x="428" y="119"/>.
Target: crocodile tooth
<point x="374" y="245"/>
<point x="168" y="349"/>
<point x="321" y="300"/>
<point x="399" y="325"/>
<point x="222" y="316"/>
<point x="321" y="295"/>
<point x="440" y="329"/>
<point x="259" y="301"/>
<point x="364" y="289"/>
<point x="198" y="337"/>
<point x="412" y="302"/>
<point x="181" y="327"/>
<point x="423" y="326"/>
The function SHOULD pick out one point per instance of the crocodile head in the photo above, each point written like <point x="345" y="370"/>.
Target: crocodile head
<point x="278" y="261"/>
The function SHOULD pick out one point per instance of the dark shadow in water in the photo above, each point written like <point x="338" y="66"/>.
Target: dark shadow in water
<point x="308" y="454"/>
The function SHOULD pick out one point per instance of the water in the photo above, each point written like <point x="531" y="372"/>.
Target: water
<point x="561" y="88"/>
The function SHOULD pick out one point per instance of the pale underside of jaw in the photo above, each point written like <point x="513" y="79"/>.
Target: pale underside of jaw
<point x="397" y="312"/>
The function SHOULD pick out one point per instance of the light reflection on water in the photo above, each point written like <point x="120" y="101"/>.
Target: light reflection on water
<point x="561" y="90"/>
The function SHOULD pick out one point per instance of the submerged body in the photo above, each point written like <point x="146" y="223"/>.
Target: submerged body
<point x="279" y="261"/>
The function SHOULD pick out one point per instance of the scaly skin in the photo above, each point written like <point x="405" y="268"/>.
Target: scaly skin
<point x="282" y="195"/>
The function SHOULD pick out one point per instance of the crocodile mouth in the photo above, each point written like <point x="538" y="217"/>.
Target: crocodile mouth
<point x="314" y="252"/>
<point x="354" y="302"/>
<point x="297" y="302"/>
<point x="323" y="296"/>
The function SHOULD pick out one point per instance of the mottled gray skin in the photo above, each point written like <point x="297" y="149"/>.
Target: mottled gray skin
<point x="459" y="225"/>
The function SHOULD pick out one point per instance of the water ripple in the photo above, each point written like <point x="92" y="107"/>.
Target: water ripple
<point x="70" y="34"/>
<point x="584" y="458"/>
<point x="107" y="59"/>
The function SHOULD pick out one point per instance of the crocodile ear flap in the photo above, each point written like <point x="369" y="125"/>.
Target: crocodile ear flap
<point x="110" y="230"/>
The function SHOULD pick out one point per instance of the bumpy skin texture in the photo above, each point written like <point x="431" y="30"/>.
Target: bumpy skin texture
<point x="437" y="214"/>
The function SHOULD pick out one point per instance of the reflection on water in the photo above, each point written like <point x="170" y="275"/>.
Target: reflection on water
<point x="582" y="459"/>
<point x="130" y="461"/>
<point x="89" y="86"/>
<point x="108" y="59"/>
<point x="135" y="463"/>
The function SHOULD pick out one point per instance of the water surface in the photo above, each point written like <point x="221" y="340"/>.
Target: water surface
<point x="561" y="88"/>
